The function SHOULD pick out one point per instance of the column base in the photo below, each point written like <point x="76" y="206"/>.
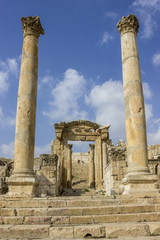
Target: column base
<point x="144" y="184"/>
<point x="92" y="185"/>
<point x="22" y="185"/>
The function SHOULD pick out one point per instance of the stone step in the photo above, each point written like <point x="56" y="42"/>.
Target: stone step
<point x="87" y="219"/>
<point x="120" y="238"/>
<point x="106" y="231"/>
<point x="79" y="211"/>
<point x="74" y="201"/>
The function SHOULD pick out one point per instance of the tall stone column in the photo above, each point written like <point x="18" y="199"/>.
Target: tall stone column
<point x="91" y="166"/>
<point x="138" y="178"/>
<point x="23" y="180"/>
<point x="69" y="166"/>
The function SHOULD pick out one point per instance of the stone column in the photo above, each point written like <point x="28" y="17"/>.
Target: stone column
<point x="69" y="166"/>
<point x="98" y="163"/>
<point x="23" y="180"/>
<point x="105" y="159"/>
<point x="138" y="178"/>
<point x="91" y="166"/>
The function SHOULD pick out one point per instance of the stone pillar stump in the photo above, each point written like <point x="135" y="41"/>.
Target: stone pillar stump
<point x="138" y="178"/>
<point x="23" y="180"/>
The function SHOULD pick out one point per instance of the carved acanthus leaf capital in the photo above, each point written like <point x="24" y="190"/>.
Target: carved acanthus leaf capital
<point x="32" y="26"/>
<point x="92" y="146"/>
<point x="127" y="24"/>
<point x="70" y="146"/>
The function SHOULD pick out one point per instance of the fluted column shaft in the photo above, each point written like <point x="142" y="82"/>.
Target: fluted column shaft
<point x="133" y="96"/>
<point x="69" y="166"/>
<point x="91" y="166"/>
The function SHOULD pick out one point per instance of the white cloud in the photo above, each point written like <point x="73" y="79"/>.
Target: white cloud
<point x="47" y="79"/>
<point x="1" y="113"/>
<point x="8" y="67"/>
<point x="7" y="150"/>
<point x="11" y="121"/>
<point x="156" y="59"/>
<point x="106" y="38"/>
<point x="42" y="149"/>
<point x="66" y="98"/>
<point x="148" y="111"/>
<point x="4" y="85"/>
<point x="147" y="91"/>
<point x="148" y="12"/>
<point x="154" y="137"/>
<point x="149" y="25"/>
<point x="13" y="66"/>
<point x="147" y="3"/>
<point x="109" y="106"/>
<point x="6" y="120"/>
<point x="111" y="14"/>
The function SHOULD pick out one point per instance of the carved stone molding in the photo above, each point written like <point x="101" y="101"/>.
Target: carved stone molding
<point x="32" y="26"/>
<point x="127" y="24"/>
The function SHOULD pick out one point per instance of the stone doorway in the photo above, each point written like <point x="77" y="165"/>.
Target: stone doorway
<point x="80" y="130"/>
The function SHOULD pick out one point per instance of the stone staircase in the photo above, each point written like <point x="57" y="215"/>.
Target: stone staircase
<point x="80" y="217"/>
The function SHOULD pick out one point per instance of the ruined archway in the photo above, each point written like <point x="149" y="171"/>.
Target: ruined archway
<point x="80" y="130"/>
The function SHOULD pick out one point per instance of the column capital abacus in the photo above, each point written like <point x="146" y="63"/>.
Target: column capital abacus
<point x="32" y="26"/>
<point x="127" y="24"/>
<point x="92" y="146"/>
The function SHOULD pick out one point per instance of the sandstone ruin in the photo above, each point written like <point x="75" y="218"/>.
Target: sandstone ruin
<point x="122" y="182"/>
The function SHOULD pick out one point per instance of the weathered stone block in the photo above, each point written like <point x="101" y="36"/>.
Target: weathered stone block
<point x="61" y="232"/>
<point x="104" y="219"/>
<point x="37" y="220"/>
<point x="81" y="219"/>
<point x="65" y="212"/>
<point x="29" y="231"/>
<point x="119" y="230"/>
<point x="95" y="231"/>
<point x="60" y="220"/>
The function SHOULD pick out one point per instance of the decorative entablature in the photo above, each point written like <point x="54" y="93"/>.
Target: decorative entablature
<point x="81" y="130"/>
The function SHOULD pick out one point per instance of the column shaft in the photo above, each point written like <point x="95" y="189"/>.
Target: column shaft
<point x="69" y="166"/>
<point x="23" y="180"/>
<point x="137" y="177"/>
<point x="91" y="166"/>
<point x="104" y="153"/>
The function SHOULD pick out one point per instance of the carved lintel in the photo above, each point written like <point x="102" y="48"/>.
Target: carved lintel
<point x="127" y="24"/>
<point x="32" y="26"/>
<point x="92" y="146"/>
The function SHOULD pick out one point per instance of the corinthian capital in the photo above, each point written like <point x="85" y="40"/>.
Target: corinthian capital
<point x="69" y="146"/>
<point x="32" y="26"/>
<point x="91" y="146"/>
<point x="127" y="24"/>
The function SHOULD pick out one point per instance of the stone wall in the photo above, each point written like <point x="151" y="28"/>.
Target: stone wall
<point x="116" y="168"/>
<point x="153" y="151"/>
<point x="80" y="157"/>
<point x="6" y="168"/>
<point x="47" y="171"/>
<point x="46" y="167"/>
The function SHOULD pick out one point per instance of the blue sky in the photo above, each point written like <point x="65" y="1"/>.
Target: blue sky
<point x="80" y="71"/>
